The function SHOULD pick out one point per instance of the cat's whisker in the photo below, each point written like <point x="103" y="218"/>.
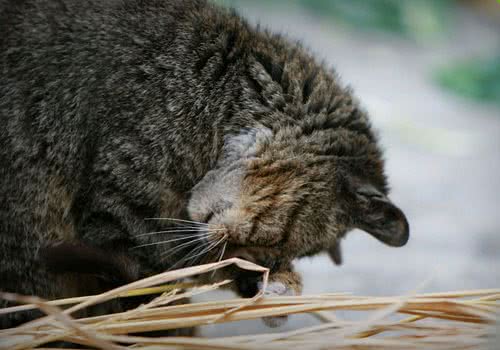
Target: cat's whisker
<point x="220" y="257"/>
<point x="180" y="220"/>
<point x="200" y="236"/>
<point x="199" y="228"/>
<point x="206" y="250"/>
<point x="174" y="231"/>
<point x="173" y="252"/>
<point x="180" y="246"/>
<point x="159" y="232"/>
<point x="180" y="227"/>
<point x="188" y="256"/>
<point x="184" y="225"/>
<point x="222" y="253"/>
<point x="199" y="254"/>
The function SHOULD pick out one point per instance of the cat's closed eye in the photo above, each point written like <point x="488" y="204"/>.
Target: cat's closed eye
<point x="208" y="217"/>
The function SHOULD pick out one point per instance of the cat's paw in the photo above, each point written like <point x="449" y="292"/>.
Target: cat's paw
<point x="282" y="283"/>
<point x="276" y="289"/>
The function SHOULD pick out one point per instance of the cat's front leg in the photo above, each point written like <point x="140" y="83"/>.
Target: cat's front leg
<point x="283" y="283"/>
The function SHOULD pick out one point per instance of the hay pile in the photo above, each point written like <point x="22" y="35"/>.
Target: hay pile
<point x="460" y="320"/>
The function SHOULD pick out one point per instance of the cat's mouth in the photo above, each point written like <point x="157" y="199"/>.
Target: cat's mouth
<point x="234" y="251"/>
<point x="268" y="257"/>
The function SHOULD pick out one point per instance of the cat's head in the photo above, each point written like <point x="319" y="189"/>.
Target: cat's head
<point x="293" y="191"/>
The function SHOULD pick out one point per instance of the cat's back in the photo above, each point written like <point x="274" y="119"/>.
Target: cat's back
<point x="46" y="21"/>
<point x="64" y="62"/>
<point x="55" y="35"/>
<point x="70" y="69"/>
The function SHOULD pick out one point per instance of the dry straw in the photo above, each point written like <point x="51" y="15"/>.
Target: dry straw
<point x="459" y="320"/>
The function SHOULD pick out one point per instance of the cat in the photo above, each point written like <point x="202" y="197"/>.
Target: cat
<point x="144" y="135"/>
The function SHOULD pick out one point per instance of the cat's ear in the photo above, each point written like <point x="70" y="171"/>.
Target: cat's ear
<point x="335" y="253"/>
<point x="246" y="143"/>
<point x="378" y="216"/>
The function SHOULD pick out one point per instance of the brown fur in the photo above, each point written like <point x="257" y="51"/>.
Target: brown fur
<point x="53" y="216"/>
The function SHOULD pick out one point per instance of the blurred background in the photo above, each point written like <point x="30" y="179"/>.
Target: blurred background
<point x="428" y="72"/>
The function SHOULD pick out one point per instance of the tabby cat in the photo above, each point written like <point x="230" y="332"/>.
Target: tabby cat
<point x="144" y="135"/>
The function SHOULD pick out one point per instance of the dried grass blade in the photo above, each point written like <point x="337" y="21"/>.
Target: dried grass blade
<point x="64" y="320"/>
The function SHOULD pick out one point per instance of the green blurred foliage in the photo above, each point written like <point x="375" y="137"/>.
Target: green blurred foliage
<point x="477" y="79"/>
<point x="417" y="19"/>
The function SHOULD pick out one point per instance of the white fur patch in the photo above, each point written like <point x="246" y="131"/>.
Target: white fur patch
<point x="246" y="144"/>
<point x="276" y="289"/>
